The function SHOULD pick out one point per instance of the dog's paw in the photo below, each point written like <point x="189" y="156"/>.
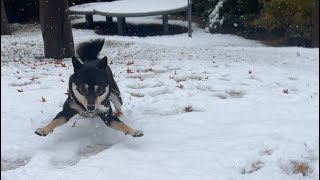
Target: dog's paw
<point x="43" y="131"/>
<point x="137" y="133"/>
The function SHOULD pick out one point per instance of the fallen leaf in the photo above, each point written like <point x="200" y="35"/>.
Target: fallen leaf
<point x="130" y="63"/>
<point x="188" y="109"/>
<point x="117" y="114"/>
<point x="180" y="86"/>
<point x="74" y="123"/>
<point x="67" y="93"/>
<point x="129" y="71"/>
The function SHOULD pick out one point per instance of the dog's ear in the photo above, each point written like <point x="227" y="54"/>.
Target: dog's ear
<point x="76" y="64"/>
<point x="103" y="63"/>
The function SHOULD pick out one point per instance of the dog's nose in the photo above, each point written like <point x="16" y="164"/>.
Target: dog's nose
<point x="91" y="107"/>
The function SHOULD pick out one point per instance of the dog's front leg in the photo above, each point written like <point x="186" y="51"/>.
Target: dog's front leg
<point x="60" y="119"/>
<point x="115" y="123"/>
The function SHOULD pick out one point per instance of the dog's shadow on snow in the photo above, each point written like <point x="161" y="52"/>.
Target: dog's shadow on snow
<point x="67" y="145"/>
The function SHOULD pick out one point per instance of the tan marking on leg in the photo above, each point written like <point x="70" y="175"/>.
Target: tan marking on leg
<point x="120" y="126"/>
<point x="51" y="126"/>
<point x="115" y="101"/>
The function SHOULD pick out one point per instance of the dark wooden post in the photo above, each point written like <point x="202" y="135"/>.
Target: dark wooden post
<point x="121" y="25"/>
<point x="5" y="28"/>
<point x="56" y="29"/>
<point x="165" y="23"/>
<point x="109" y="20"/>
<point x="189" y="18"/>
<point x="89" y="20"/>
<point x="315" y="28"/>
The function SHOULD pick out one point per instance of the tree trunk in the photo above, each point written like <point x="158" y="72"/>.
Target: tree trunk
<point x="5" y="29"/>
<point x="315" y="28"/>
<point x="56" y="29"/>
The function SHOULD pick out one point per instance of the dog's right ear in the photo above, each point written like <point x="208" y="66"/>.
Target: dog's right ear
<point x="103" y="63"/>
<point x="76" y="64"/>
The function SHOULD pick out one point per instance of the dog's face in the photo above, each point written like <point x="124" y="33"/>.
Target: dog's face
<point x="90" y="84"/>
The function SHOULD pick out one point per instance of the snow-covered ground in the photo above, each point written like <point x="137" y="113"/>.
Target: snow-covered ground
<point x="211" y="107"/>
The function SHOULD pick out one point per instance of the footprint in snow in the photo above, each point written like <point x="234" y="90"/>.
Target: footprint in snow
<point x="10" y="164"/>
<point x="82" y="153"/>
<point x="229" y="94"/>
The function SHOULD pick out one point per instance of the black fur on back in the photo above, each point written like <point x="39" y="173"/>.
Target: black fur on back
<point x="88" y="51"/>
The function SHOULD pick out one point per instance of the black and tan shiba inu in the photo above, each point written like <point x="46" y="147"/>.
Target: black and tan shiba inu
<point x="92" y="89"/>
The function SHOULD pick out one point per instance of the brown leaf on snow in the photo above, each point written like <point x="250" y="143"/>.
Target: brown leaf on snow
<point x="67" y="93"/>
<point x="74" y="124"/>
<point x="33" y="78"/>
<point x="117" y="114"/>
<point x="57" y="61"/>
<point x="43" y="99"/>
<point x="150" y="69"/>
<point x="130" y="63"/>
<point x="188" y="109"/>
<point x="129" y="71"/>
<point x="180" y="86"/>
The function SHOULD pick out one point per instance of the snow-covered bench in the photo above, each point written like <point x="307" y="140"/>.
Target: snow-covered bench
<point x="133" y="8"/>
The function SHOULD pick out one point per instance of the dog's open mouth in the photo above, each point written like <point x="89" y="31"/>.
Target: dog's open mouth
<point x="91" y="113"/>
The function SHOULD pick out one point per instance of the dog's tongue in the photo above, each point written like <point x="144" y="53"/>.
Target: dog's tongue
<point x="119" y="113"/>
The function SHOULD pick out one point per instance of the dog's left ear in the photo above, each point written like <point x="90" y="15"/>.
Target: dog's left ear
<point x="76" y="64"/>
<point x="103" y="63"/>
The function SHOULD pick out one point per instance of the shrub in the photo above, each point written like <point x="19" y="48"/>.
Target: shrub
<point x="291" y="20"/>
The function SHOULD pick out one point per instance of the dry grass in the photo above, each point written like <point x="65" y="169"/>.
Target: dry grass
<point x="301" y="167"/>
<point x="254" y="167"/>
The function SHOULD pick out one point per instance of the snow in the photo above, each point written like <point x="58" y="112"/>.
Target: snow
<point x="131" y="6"/>
<point x="241" y="126"/>
<point x="214" y="15"/>
<point x="86" y="8"/>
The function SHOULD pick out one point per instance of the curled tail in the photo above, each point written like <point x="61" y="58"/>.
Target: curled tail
<point x="89" y="50"/>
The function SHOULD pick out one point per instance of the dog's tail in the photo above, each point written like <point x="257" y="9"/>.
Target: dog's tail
<point x="89" y="50"/>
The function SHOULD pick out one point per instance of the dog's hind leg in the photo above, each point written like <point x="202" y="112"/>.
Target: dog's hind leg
<point x="60" y="119"/>
<point x="115" y="123"/>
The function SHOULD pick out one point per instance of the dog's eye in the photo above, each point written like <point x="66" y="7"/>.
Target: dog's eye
<point x="99" y="91"/>
<point x="83" y="90"/>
